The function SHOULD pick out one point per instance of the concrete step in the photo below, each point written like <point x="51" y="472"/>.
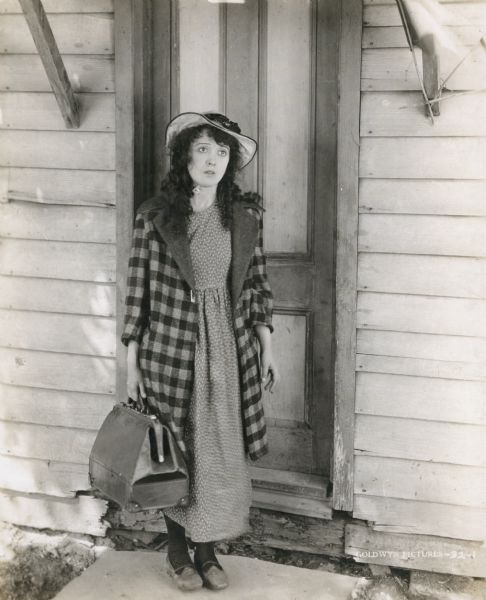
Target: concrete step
<point x="141" y="575"/>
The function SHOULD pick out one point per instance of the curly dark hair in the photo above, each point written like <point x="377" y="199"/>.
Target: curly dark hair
<point x="177" y="186"/>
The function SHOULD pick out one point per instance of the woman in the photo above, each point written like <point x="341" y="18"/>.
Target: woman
<point x="197" y="300"/>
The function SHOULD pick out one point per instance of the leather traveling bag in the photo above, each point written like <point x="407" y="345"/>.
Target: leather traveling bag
<point x="136" y="462"/>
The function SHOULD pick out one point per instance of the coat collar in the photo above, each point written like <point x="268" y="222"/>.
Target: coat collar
<point x="243" y="241"/>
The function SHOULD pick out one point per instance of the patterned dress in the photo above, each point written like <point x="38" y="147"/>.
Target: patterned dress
<point x="220" y="485"/>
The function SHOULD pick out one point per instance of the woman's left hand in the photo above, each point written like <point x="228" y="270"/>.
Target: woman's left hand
<point x="269" y="371"/>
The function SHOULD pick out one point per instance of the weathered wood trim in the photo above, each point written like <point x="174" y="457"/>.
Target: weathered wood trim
<point x="51" y="59"/>
<point x="346" y="251"/>
<point x="125" y="167"/>
<point x="409" y="551"/>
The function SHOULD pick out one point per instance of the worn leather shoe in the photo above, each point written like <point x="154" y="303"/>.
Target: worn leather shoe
<point x="212" y="575"/>
<point x="186" y="577"/>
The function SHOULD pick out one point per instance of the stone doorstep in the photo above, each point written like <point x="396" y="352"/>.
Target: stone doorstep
<point x="118" y="575"/>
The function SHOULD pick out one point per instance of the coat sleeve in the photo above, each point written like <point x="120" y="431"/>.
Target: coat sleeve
<point x="261" y="299"/>
<point x="137" y="296"/>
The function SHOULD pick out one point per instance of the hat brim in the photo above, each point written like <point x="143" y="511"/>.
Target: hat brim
<point x="248" y="145"/>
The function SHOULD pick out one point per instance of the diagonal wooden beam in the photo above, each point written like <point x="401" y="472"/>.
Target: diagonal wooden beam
<point x="49" y="53"/>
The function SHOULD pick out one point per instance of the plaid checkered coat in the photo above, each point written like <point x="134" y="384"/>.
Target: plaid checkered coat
<point x="161" y="315"/>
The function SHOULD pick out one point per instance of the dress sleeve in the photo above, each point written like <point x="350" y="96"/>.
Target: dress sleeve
<point x="261" y="299"/>
<point x="137" y="296"/>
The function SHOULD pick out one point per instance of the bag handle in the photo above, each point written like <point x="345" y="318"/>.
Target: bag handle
<point x="159" y="439"/>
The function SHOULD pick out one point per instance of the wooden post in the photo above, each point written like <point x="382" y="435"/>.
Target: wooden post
<point x="347" y="251"/>
<point x="52" y="61"/>
<point x="431" y="72"/>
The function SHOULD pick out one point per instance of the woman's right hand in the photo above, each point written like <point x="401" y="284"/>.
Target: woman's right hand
<point x="135" y="386"/>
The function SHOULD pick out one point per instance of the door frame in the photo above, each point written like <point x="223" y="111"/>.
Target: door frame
<point x="135" y="124"/>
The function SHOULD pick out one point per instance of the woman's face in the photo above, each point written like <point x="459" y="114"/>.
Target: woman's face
<point x="207" y="161"/>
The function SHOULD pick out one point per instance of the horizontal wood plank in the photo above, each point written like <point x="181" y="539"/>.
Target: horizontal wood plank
<point x="39" y="111"/>
<point x="423" y="197"/>
<point x="25" y="73"/>
<point x="53" y="370"/>
<point x="58" y="260"/>
<point x="54" y="407"/>
<point x="430" y="399"/>
<point x="423" y="234"/>
<point x="394" y="36"/>
<point x="74" y="34"/>
<point x="426" y="518"/>
<point x="401" y="114"/>
<point x="421" y="481"/>
<point x="26" y="440"/>
<point x="425" y="314"/>
<point x="28" y="220"/>
<point x="56" y="295"/>
<point x="73" y="334"/>
<point x="423" y="158"/>
<point x="425" y="275"/>
<point x="415" y="439"/>
<point x="58" y="186"/>
<point x="56" y="149"/>
<point x="387" y="69"/>
<point x="418" y="367"/>
<point x="387" y="15"/>
<point x="36" y="476"/>
<point x="454" y="348"/>
<point x="78" y="515"/>
<point x="407" y="551"/>
<point x="62" y="6"/>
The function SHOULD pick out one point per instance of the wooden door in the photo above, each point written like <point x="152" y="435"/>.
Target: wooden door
<point x="271" y="65"/>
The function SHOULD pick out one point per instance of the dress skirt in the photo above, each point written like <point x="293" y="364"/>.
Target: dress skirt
<point x="220" y="485"/>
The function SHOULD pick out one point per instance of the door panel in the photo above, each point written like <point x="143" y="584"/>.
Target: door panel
<point x="271" y="65"/>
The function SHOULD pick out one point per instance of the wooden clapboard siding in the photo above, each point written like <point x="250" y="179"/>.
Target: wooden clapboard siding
<point x="57" y="295"/>
<point x="423" y="158"/>
<point x="58" y="150"/>
<point x="418" y="367"/>
<point x="394" y="37"/>
<point x="58" y="371"/>
<point x="425" y="314"/>
<point x="58" y="186"/>
<point x="430" y="518"/>
<point x="73" y="334"/>
<point x="420" y="464"/>
<point x="423" y="196"/>
<point x="27" y="440"/>
<point x="57" y="223"/>
<point x="401" y="114"/>
<point x="422" y="274"/>
<point x="57" y="266"/>
<point x="415" y="397"/>
<point x="57" y="408"/>
<point x="34" y="475"/>
<point x="423" y="234"/>
<point x="433" y="482"/>
<point x="39" y="111"/>
<point x="420" y="345"/>
<point x="62" y="6"/>
<point x="59" y="260"/>
<point x="74" y="34"/>
<point x="388" y="69"/>
<point x="87" y="73"/>
<point x="79" y="515"/>
<point x="416" y="439"/>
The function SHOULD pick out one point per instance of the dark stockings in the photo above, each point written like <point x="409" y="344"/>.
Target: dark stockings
<point x="177" y="546"/>
<point x="205" y="552"/>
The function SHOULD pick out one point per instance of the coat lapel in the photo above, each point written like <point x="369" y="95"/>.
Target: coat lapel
<point x="179" y="248"/>
<point x="244" y="239"/>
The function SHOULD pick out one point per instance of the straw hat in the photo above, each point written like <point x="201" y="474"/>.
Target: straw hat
<point x="248" y="146"/>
